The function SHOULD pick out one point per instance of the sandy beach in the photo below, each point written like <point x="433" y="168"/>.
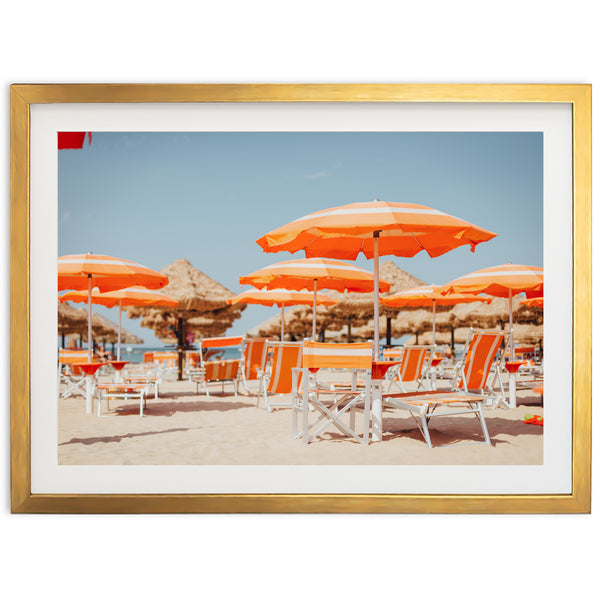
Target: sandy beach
<point x="182" y="427"/>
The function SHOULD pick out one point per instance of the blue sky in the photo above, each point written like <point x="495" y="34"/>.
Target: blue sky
<point x="157" y="197"/>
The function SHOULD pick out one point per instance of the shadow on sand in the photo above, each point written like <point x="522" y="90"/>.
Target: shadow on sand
<point x="117" y="438"/>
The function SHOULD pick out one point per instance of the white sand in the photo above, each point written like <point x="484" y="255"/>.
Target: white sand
<point x="183" y="428"/>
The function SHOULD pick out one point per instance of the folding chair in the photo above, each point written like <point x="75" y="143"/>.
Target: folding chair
<point x="215" y="370"/>
<point x="70" y="374"/>
<point x="254" y="352"/>
<point x="414" y="363"/>
<point x="471" y="387"/>
<point x="277" y="378"/>
<point x="337" y="403"/>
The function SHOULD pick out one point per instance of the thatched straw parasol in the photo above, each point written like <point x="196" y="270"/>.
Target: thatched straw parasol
<point x="357" y="309"/>
<point x="197" y="295"/>
<point x="71" y="319"/>
<point x="110" y="332"/>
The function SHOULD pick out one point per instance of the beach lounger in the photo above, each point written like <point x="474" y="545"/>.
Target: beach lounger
<point x="69" y="374"/>
<point x="215" y="369"/>
<point x="254" y="353"/>
<point x="413" y="367"/>
<point x="122" y="391"/>
<point x="331" y="406"/>
<point x="471" y="388"/>
<point x="277" y="378"/>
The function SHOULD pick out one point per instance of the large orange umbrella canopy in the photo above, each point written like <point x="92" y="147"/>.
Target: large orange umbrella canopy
<point x="503" y="281"/>
<point x="279" y="298"/>
<point x="347" y="231"/>
<point x="305" y="273"/>
<point x="426" y="295"/>
<point x="132" y="296"/>
<point x="106" y="273"/>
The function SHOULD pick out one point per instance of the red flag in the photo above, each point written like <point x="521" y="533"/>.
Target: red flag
<point x="71" y="139"/>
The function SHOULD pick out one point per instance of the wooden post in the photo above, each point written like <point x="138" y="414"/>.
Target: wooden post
<point x="349" y="325"/>
<point x="180" y="347"/>
<point x="388" y="330"/>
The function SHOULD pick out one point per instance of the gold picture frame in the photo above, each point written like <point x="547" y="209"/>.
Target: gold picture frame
<point x="22" y="499"/>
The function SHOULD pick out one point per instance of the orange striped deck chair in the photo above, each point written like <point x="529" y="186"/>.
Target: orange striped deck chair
<point x="413" y="365"/>
<point x="470" y="389"/>
<point x="331" y="405"/>
<point x="69" y="374"/>
<point x="254" y="353"/>
<point x="478" y="361"/>
<point x="215" y="367"/>
<point x="277" y="379"/>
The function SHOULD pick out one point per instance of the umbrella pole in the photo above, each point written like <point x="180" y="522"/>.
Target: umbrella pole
<point x="512" y="381"/>
<point x="376" y="398"/>
<point x="510" y="320"/>
<point x="314" y="310"/>
<point x="282" y="321"/>
<point x="433" y="331"/>
<point x="89" y="389"/>
<point x="119" y="334"/>
<point x="376" y="294"/>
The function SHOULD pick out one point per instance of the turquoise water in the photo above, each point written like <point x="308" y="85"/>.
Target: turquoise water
<point x="137" y="353"/>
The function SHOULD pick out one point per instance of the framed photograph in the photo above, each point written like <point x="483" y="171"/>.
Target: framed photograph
<point x="185" y="180"/>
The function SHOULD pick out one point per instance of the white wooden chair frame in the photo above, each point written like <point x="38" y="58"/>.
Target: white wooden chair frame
<point x="344" y="402"/>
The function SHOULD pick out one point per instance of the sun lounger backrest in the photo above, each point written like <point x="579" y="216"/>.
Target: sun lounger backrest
<point x="337" y="356"/>
<point x="393" y="353"/>
<point x="221" y="342"/>
<point x="255" y="357"/>
<point x="221" y="370"/>
<point x="286" y="356"/>
<point x="168" y="359"/>
<point x="412" y="363"/>
<point x="72" y="357"/>
<point x="479" y="357"/>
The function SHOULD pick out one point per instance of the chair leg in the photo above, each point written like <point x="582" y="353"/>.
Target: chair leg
<point x="483" y="425"/>
<point x="426" y="430"/>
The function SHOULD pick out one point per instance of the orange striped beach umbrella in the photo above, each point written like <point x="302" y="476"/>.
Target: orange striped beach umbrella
<point x="132" y="296"/>
<point x="281" y="298"/>
<point x="107" y="273"/>
<point x="373" y="229"/>
<point x="314" y="274"/>
<point x="503" y="281"/>
<point x="429" y="295"/>
<point x="533" y="301"/>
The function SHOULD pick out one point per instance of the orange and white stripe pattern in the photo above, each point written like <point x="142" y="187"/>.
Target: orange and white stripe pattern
<point x="301" y="274"/>
<point x="346" y="231"/>
<point x="317" y="355"/>
<point x="255" y="357"/>
<point x="286" y="356"/>
<point x="107" y="273"/>
<point x="479" y="358"/>
<point x="221" y="370"/>
<point x="501" y="281"/>
<point x="280" y="298"/>
<point x="131" y="296"/>
<point x="72" y="357"/>
<point x="221" y="342"/>
<point x="412" y="363"/>
<point x="425" y="295"/>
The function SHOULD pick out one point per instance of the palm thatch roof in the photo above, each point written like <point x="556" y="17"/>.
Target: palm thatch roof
<point x="71" y="319"/>
<point x="197" y="295"/>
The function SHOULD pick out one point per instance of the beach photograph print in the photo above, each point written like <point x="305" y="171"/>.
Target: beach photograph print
<point x="300" y="298"/>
